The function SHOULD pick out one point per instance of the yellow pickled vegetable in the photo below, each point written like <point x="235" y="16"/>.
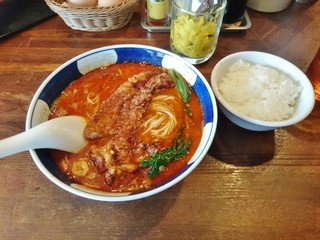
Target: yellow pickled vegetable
<point x="80" y="168"/>
<point x="193" y="36"/>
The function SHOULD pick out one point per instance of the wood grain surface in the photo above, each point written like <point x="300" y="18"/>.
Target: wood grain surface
<point x="250" y="185"/>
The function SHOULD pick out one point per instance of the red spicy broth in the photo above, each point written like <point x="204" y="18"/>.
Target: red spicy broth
<point x="84" y="97"/>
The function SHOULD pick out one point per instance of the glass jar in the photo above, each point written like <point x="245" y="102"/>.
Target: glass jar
<point x="194" y="35"/>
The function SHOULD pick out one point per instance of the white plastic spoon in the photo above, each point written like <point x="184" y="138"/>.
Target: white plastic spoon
<point x="63" y="133"/>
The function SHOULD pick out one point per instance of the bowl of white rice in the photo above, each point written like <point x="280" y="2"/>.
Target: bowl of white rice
<point x="259" y="91"/>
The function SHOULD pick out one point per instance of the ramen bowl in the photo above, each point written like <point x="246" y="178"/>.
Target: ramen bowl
<point x="303" y="105"/>
<point x="78" y="66"/>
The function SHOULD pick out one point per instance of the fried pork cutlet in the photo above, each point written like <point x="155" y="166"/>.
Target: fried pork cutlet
<point x="122" y="112"/>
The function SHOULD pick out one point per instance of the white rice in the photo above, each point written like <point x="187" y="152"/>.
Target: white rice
<point x="259" y="91"/>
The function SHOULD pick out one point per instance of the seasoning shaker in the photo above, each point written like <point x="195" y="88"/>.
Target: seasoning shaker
<point x="234" y="12"/>
<point x="158" y="12"/>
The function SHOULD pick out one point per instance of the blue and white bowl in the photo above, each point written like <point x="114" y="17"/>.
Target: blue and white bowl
<point x="58" y="80"/>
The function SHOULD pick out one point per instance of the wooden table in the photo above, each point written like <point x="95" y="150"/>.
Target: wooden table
<point x="251" y="185"/>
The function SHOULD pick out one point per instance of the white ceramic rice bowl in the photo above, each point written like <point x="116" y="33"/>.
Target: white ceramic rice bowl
<point x="58" y="80"/>
<point x="305" y="101"/>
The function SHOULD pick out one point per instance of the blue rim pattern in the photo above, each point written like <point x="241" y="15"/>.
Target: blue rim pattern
<point x="68" y="72"/>
<point x="71" y="72"/>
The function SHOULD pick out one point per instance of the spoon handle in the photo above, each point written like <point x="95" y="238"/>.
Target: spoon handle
<point x="22" y="142"/>
<point x="63" y="133"/>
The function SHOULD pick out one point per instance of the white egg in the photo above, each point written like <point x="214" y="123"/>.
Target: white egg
<point x="82" y="3"/>
<point x="109" y="3"/>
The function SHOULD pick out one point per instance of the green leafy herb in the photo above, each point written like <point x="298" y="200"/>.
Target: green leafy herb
<point x="181" y="85"/>
<point x="159" y="160"/>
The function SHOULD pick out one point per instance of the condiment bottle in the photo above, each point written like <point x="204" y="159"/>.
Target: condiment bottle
<point x="313" y="73"/>
<point x="157" y="12"/>
<point x="234" y="13"/>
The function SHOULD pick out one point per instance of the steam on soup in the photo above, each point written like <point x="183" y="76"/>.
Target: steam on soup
<point x="144" y="124"/>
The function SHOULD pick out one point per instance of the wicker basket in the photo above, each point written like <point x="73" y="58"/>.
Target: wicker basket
<point x="94" y="19"/>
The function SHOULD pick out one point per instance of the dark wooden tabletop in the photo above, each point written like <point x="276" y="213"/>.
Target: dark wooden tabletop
<point x="250" y="185"/>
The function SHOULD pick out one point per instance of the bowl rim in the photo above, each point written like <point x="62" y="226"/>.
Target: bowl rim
<point x="126" y="197"/>
<point x="271" y="124"/>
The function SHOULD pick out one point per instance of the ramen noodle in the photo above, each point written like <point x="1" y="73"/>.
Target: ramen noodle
<point x="141" y="128"/>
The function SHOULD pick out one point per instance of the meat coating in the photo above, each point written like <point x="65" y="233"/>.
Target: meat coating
<point x="118" y="120"/>
<point x="123" y="111"/>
